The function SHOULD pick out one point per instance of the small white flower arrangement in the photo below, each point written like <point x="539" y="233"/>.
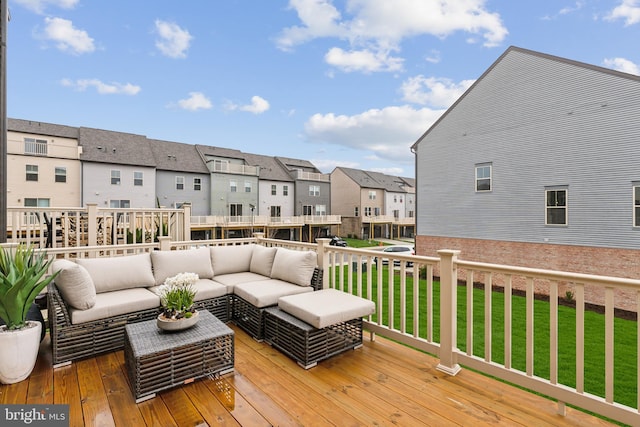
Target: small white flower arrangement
<point x="177" y="294"/>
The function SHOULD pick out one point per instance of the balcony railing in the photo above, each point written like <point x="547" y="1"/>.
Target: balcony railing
<point x="312" y="176"/>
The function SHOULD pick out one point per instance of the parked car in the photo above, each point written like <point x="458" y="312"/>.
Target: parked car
<point x="338" y="241"/>
<point x="404" y="250"/>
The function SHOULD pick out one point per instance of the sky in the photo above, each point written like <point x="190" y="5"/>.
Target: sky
<point x="351" y="83"/>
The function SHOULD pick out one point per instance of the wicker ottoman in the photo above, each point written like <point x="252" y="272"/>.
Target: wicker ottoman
<point x="314" y="326"/>
<point x="158" y="360"/>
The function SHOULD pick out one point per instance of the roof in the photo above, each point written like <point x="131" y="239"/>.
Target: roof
<point x="176" y="156"/>
<point x="270" y="168"/>
<point x="532" y="53"/>
<point x="292" y="164"/>
<point x="369" y="179"/>
<point x="105" y="146"/>
<point x="40" y="128"/>
<point x="227" y="153"/>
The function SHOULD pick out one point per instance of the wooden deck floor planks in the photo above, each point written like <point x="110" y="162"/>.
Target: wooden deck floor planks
<point x="383" y="383"/>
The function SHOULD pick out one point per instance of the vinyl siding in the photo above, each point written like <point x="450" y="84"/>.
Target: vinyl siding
<point x="540" y="122"/>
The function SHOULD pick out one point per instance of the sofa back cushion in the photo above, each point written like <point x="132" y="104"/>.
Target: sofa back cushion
<point x="75" y="284"/>
<point x="169" y="263"/>
<point x="231" y="259"/>
<point x="116" y="273"/>
<point x="262" y="260"/>
<point x="294" y="266"/>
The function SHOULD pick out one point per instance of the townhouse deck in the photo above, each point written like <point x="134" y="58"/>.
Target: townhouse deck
<point x="382" y="383"/>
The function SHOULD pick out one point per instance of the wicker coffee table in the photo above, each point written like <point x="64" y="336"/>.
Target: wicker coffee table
<point x="157" y="360"/>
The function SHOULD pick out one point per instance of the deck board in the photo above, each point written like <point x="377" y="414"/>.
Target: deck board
<point x="382" y="383"/>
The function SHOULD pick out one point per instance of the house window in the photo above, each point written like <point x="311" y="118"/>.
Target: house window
<point x="115" y="177"/>
<point x="220" y="165"/>
<point x="274" y="190"/>
<point x="235" y="209"/>
<point x="483" y="177"/>
<point x="356" y="211"/>
<point x="179" y="182"/>
<point x="247" y="187"/>
<point x="376" y="211"/>
<point x="32" y="172"/>
<point x="636" y="205"/>
<point x="556" y="207"/>
<point x="314" y="190"/>
<point x="233" y="186"/>
<point x="197" y="184"/>
<point x="396" y="213"/>
<point x="119" y="204"/>
<point x="367" y="211"/>
<point x="275" y="211"/>
<point x="285" y="190"/>
<point x="372" y="195"/>
<point x="36" y="147"/>
<point x="307" y="210"/>
<point x="61" y="174"/>
<point x="321" y="210"/>
<point x="137" y="178"/>
<point x="36" y="202"/>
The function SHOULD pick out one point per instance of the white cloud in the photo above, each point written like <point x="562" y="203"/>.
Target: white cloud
<point x="39" y="6"/>
<point x="388" y="132"/>
<point x="362" y="60"/>
<point x="174" y="41"/>
<point x="327" y="165"/>
<point x="66" y="37"/>
<point x="196" y="101"/>
<point x="377" y="27"/>
<point x="102" y="88"/>
<point x="258" y="105"/>
<point x="432" y="91"/>
<point x="629" y="10"/>
<point x="622" y="64"/>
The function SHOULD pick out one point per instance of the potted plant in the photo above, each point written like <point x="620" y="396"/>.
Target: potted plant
<point x="22" y="278"/>
<point x="176" y="296"/>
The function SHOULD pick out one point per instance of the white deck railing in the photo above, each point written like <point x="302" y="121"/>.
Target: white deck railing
<point x="424" y="314"/>
<point x="406" y="311"/>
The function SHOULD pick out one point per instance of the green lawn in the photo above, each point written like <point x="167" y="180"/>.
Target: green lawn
<point x="625" y="348"/>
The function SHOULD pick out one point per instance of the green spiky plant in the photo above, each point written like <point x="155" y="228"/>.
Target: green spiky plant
<point x="22" y="278"/>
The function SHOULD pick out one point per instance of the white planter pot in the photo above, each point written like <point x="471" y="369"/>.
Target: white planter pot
<point x="18" y="352"/>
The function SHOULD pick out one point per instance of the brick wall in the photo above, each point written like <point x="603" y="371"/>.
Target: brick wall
<point x="578" y="259"/>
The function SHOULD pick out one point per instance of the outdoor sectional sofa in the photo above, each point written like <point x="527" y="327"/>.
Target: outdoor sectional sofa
<point x="92" y="299"/>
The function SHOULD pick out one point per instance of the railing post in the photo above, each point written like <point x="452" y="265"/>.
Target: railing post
<point x="92" y="224"/>
<point x="165" y="243"/>
<point x="186" y="221"/>
<point x="323" y="260"/>
<point x="448" y="311"/>
<point x="259" y="235"/>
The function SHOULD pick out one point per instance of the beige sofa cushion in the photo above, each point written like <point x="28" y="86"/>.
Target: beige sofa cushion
<point x="232" y="279"/>
<point x="262" y="260"/>
<point x="205" y="289"/>
<point x="231" y="259"/>
<point x="115" y="303"/>
<point x="294" y="266"/>
<point x="125" y="272"/>
<point x="326" y="307"/>
<point x="75" y="284"/>
<point x="264" y="293"/>
<point x="169" y="263"/>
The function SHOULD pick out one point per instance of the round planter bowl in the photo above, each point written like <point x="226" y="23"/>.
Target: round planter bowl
<point x="18" y="352"/>
<point x="177" y="325"/>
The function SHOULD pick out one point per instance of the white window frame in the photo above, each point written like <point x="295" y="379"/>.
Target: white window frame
<point x="60" y="174"/>
<point x="636" y="204"/>
<point x="548" y="207"/>
<point x="121" y="203"/>
<point x="484" y="175"/>
<point x="247" y="187"/>
<point x="115" y="177"/>
<point x="233" y="186"/>
<point x="285" y="190"/>
<point x="197" y="184"/>
<point x="179" y="182"/>
<point x="40" y="202"/>
<point x="31" y="172"/>
<point x="274" y="190"/>
<point x="36" y="147"/>
<point x="138" y="178"/>
<point x="314" y="190"/>
<point x="373" y="194"/>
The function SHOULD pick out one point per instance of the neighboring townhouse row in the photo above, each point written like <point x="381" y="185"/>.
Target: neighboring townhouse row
<point x="373" y="204"/>
<point x="537" y="165"/>
<point x="63" y="166"/>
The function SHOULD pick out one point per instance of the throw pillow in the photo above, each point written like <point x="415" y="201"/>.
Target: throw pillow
<point x="294" y="266"/>
<point x="262" y="260"/>
<point x="169" y="263"/>
<point x="75" y="284"/>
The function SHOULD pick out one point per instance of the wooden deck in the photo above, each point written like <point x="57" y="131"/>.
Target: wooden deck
<point x="381" y="384"/>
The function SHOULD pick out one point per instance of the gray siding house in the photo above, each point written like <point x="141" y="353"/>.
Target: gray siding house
<point x="537" y="164"/>
<point x="118" y="169"/>
<point x="181" y="176"/>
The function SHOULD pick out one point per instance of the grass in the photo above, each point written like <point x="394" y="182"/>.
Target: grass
<point x="625" y="331"/>
<point x="357" y="243"/>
